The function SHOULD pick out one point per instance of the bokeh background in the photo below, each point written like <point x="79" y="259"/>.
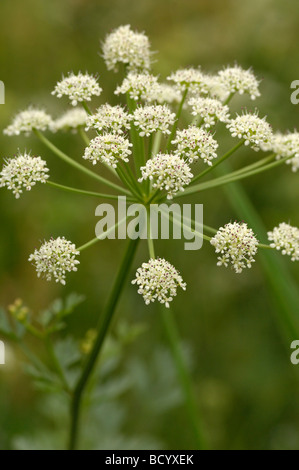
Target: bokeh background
<point x="246" y="388"/>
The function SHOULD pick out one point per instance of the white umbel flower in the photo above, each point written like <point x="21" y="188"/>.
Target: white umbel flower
<point x="109" y="118"/>
<point x="237" y="246"/>
<point x="27" y="120"/>
<point x="124" y="46"/>
<point x="168" y="172"/>
<point x="287" y="146"/>
<point x="109" y="149"/>
<point x="168" y="94"/>
<point x="191" y="79"/>
<point x="70" y="120"/>
<point x="210" y="110"/>
<point x="194" y="143"/>
<point x="286" y="239"/>
<point x="255" y="131"/>
<point x="149" y="119"/>
<point x="23" y="172"/>
<point x="158" y="280"/>
<point x="78" y="88"/>
<point x="215" y="88"/>
<point x="235" y="79"/>
<point x="140" y="86"/>
<point x="54" y="259"/>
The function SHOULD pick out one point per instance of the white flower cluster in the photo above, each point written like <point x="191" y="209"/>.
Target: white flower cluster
<point x="168" y="94"/>
<point x="140" y="86"/>
<point x="124" y="46"/>
<point x="215" y="88"/>
<point x="191" y="79"/>
<point x="78" y="88"/>
<point x="255" y="131"/>
<point x="158" y="280"/>
<point x="168" y="172"/>
<point x="23" y="172"/>
<point x="70" y="120"/>
<point x="149" y="119"/>
<point x="109" y="149"/>
<point x="287" y="146"/>
<point x="109" y="118"/>
<point x="235" y="79"/>
<point x="285" y="238"/>
<point x="54" y="259"/>
<point x="210" y="110"/>
<point x="236" y="244"/>
<point x="25" y="121"/>
<point x="194" y="143"/>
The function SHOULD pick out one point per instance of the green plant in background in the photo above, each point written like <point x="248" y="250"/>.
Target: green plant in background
<point x="157" y="149"/>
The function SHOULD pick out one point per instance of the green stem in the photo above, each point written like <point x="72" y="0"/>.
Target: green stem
<point x="183" y="375"/>
<point x="82" y="191"/>
<point x="178" y="115"/>
<point x="228" y="179"/>
<point x="156" y="143"/>
<point x="181" y="224"/>
<point x="95" y="240"/>
<point x="84" y="136"/>
<point x="86" y="107"/>
<point x="102" y="332"/>
<point x="77" y="165"/>
<point x="125" y="179"/>
<point x="218" y="161"/>
<point x="150" y="241"/>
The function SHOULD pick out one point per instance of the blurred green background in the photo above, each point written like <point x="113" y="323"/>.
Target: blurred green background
<point x="245" y="386"/>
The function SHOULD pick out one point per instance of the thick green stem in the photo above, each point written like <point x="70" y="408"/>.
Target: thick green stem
<point x="183" y="375"/>
<point x="77" y="165"/>
<point x="103" y="328"/>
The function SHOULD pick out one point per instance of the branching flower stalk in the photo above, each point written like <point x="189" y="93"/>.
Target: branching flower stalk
<point x="154" y="160"/>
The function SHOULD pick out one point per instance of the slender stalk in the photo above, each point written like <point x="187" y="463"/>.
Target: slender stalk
<point x="181" y="224"/>
<point x="82" y="191"/>
<point x="178" y="115"/>
<point x="156" y="143"/>
<point x="125" y="179"/>
<point x="150" y="241"/>
<point x="172" y="333"/>
<point x="218" y="161"/>
<point x="133" y="180"/>
<point x="103" y="328"/>
<point x="83" y="135"/>
<point x="104" y="235"/>
<point x="225" y="180"/>
<point x="86" y="107"/>
<point x="77" y="165"/>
